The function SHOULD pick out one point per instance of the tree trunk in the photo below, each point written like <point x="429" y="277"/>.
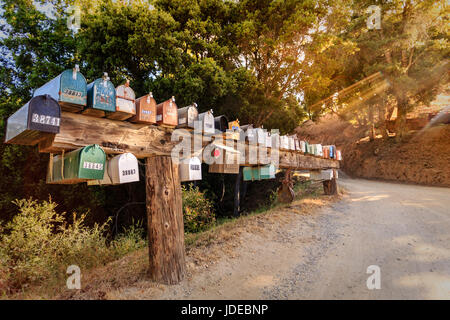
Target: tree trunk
<point x="400" y="122"/>
<point x="165" y="221"/>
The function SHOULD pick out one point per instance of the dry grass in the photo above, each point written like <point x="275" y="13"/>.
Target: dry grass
<point x="203" y="250"/>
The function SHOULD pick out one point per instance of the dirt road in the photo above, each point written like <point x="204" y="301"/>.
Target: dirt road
<point x="403" y="229"/>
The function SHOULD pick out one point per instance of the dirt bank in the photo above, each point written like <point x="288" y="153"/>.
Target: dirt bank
<point x="422" y="158"/>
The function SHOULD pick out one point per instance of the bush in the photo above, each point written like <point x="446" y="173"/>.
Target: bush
<point x="197" y="210"/>
<point x="38" y="245"/>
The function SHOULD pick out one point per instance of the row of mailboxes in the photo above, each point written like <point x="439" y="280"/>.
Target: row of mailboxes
<point x="259" y="173"/>
<point x="123" y="168"/>
<point x="35" y="120"/>
<point x="329" y="152"/>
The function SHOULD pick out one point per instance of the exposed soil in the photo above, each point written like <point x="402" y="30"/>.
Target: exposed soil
<point x="422" y="158"/>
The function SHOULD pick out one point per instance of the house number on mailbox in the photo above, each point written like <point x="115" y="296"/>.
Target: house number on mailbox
<point x="92" y="165"/>
<point x="128" y="172"/>
<point x="43" y="119"/>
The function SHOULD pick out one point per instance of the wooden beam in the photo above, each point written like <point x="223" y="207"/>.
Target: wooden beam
<point x="165" y="221"/>
<point x="77" y="131"/>
<point x="145" y="141"/>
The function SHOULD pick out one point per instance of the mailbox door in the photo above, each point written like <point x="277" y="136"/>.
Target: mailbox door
<point x="195" y="169"/>
<point x="167" y="113"/>
<point x="187" y="116"/>
<point x="124" y="168"/>
<point x="102" y="95"/>
<point x="73" y="88"/>
<point x="145" y="110"/>
<point x="221" y="123"/>
<point x="91" y="163"/>
<point x="208" y="123"/>
<point x="44" y="114"/>
<point x="125" y="99"/>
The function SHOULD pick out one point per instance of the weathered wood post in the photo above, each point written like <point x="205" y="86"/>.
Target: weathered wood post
<point x="330" y="186"/>
<point x="237" y="193"/>
<point x="165" y="220"/>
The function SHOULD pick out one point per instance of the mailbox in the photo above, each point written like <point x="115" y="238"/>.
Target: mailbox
<point x="40" y="117"/>
<point x="234" y="130"/>
<point x="284" y="142"/>
<point x="123" y="168"/>
<point x="297" y="144"/>
<point x="267" y="172"/>
<point x="326" y="152"/>
<point x="317" y="150"/>
<point x="248" y="133"/>
<point x="167" y="113"/>
<point x="268" y="140"/>
<point x="68" y="89"/>
<point x="187" y="116"/>
<point x="303" y="146"/>
<point x="101" y="97"/>
<point x="145" y="110"/>
<point x="207" y="122"/>
<point x="307" y="148"/>
<point x="221" y="123"/>
<point x="230" y="159"/>
<point x="291" y="143"/>
<point x="275" y="140"/>
<point x="77" y="166"/>
<point x="125" y="103"/>
<point x="261" y="136"/>
<point x="323" y="174"/>
<point x="338" y="155"/>
<point x="251" y="174"/>
<point x="190" y="169"/>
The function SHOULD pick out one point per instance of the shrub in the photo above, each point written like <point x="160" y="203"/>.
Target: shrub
<point x="197" y="210"/>
<point x="38" y="245"/>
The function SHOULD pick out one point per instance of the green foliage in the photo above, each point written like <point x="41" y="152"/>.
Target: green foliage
<point x="38" y="244"/>
<point x="197" y="210"/>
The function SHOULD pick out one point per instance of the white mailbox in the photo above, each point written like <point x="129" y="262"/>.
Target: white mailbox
<point x="268" y="140"/>
<point x="284" y="142"/>
<point x="261" y="136"/>
<point x="123" y="168"/>
<point x="275" y="140"/>
<point x="190" y="169"/>
<point x="207" y="121"/>
<point x="291" y="143"/>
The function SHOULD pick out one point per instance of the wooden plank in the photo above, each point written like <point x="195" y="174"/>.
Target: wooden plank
<point x="165" y="221"/>
<point x="79" y="130"/>
<point x="145" y="141"/>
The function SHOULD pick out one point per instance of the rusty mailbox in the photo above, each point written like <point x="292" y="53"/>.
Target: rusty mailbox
<point x="37" y="119"/>
<point x="167" y="113"/>
<point x="187" y="116"/>
<point x="69" y="89"/>
<point x="101" y="97"/>
<point x="145" y="110"/>
<point x="125" y="103"/>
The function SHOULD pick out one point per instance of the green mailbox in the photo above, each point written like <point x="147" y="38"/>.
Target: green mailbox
<point x="251" y="174"/>
<point x="77" y="166"/>
<point x="101" y="97"/>
<point x="68" y="89"/>
<point x="267" y="172"/>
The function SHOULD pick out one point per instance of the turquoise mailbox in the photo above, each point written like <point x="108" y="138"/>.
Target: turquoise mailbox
<point x="101" y="97"/>
<point x="267" y="172"/>
<point x="68" y="89"/>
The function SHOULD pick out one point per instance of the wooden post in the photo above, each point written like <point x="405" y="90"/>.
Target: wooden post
<point x="165" y="221"/>
<point x="330" y="186"/>
<point x="237" y="192"/>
